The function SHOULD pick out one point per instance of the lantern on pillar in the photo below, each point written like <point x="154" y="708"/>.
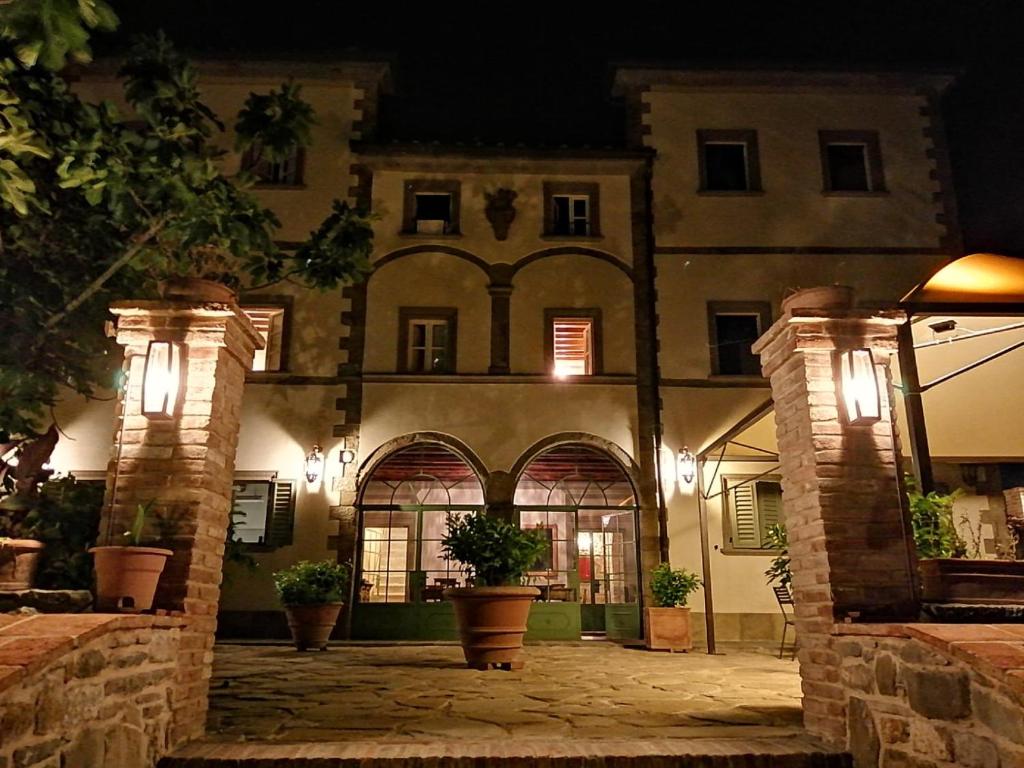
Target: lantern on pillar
<point x="314" y="466"/>
<point x="859" y="387"/>
<point x="687" y="466"/>
<point x="162" y="379"/>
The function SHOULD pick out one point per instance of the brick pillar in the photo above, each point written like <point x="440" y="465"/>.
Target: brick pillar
<point x="849" y="539"/>
<point x="185" y="465"/>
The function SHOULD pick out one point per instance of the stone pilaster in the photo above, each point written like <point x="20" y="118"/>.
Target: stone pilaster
<point x="185" y="466"/>
<point x="849" y="539"/>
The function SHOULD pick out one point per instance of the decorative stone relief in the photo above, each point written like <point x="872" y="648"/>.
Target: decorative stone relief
<point x="500" y="211"/>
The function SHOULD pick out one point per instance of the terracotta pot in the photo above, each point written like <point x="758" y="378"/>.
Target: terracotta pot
<point x="19" y="559"/>
<point x="667" y="629"/>
<point x="311" y="625"/>
<point x="492" y="622"/>
<point x="196" y="289"/>
<point x="822" y="297"/>
<point x="126" y="577"/>
<point x="981" y="582"/>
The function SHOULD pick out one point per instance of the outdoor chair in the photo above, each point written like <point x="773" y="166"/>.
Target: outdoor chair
<point x="783" y="595"/>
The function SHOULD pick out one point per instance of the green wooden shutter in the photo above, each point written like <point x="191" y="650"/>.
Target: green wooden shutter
<point x="769" y="506"/>
<point x="745" y="530"/>
<point x="281" y="524"/>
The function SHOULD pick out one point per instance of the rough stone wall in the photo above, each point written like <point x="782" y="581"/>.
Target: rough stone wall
<point x="933" y="701"/>
<point x="86" y="690"/>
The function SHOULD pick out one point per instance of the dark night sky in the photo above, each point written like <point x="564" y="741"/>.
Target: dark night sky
<point x="538" y="72"/>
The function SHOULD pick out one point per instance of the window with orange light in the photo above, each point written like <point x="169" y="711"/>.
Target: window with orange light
<point x="573" y="346"/>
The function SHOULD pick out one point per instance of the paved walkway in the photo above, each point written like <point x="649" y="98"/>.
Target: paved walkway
<point x="405" y="693"/>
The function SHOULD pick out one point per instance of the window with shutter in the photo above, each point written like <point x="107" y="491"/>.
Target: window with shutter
<point x="751" y="508"/>
<point x="573" y="341"/>
<point x="282" y="514"/>
<point x="263" y="510"/>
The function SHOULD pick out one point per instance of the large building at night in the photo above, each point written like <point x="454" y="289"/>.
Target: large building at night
<point x="548" y="333"/>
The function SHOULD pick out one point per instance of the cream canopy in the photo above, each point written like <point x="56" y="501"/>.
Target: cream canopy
<point x="974" y="282"/>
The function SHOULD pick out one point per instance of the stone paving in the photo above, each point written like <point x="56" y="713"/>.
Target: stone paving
<point x="591" y="690"/>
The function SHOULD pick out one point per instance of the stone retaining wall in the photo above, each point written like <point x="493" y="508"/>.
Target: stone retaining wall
<point x="931" y="695"/>
<point x="78" y="691"/>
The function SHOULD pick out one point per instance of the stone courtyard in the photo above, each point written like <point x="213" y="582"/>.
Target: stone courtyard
<point x="589" y="690"/>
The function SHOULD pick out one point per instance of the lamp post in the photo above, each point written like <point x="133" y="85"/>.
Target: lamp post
<point x="162" y="379"/>
<point x="859" y="387"/>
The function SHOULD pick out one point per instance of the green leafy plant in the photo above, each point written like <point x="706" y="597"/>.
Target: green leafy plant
<point x="490" y="551"/>
<point x="68" y="513"/>
<point x="779" y="570"/>
<point x="136" y="529"/>
<point x="931" y="515"/>
<point x="307" y="583"/>
<point x="671" y="587"/>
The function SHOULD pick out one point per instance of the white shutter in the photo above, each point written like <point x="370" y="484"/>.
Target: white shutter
<point x="745" y="531"/>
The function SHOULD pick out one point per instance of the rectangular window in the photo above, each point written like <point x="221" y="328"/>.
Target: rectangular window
<point x="851" y="161"/>
<point x="426" y="340"/>
<point x="282" y="173"/>
<point x="571" y="209"/>
<point x="269" y="323"/>
<point x="570" y="215"/>
<point x="728" y="161"/>
<point x="431" y="207"/>
<point x="732" y="328"/>
<point x="263" y="511"/>
<point x="572" y="341"/>
<point x="753" y="507"/>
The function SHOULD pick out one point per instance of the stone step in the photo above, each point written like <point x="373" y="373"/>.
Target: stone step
<point x="791" y="752"/>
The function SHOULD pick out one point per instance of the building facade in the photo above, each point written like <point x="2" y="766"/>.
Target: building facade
<point x="545" y="332"/>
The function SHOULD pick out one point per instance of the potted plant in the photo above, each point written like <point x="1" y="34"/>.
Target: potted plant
<point x="492" y="613"/>
<point x="127" y="575"/>
<point x="311" y="594"/>
<point x="667" y="626"/>
<point x="19" y="549"/>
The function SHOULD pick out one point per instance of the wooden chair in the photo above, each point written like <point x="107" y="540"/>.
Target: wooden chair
<point x="783" y="595"/>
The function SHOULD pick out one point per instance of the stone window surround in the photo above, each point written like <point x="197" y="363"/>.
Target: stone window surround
<point x="597" y="337"/>
<point x="727" y="515"/>
<point x="873" y="156"/>
<point x="408" y="314"/>
<point x="287" y="303"/>
<point x="590" y="189"/>
<point x="745" y="136"/>
<point x="412" y="187"/>
<point x="762" y="309"/>
<point x="245" y="164"/>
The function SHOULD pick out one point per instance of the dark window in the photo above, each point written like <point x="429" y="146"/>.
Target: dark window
<point x="848" y="167"/>
<point x="733" y="326"/>
<point x="426" y="340"/>
<point x="433" y="213"/>
<point x="726" y="167"/>
<point x="570" y="215"/>
<point x="431" y="207"/>
<point x="285" y="172"/>
<point x="263" y="512"/>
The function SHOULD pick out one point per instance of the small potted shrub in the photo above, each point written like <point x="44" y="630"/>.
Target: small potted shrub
<point x="20" y="550"/>
<point x="492" y="613"/>
<point x="312" y="595"/>
<point x="23" y="471"/>
<point x="667" y="626"/>
<point x="127" y="574"/>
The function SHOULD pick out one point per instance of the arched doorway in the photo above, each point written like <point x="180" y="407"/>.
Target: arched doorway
<point x="401" y="574"/>
<point x="584" y="501"/>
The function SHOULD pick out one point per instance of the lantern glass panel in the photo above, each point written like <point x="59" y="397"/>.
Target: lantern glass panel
<point x="162" y="379"/>
<point x="860" y="387"/>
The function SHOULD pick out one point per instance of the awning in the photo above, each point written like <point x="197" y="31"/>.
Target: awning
<point x="980" y="283"/>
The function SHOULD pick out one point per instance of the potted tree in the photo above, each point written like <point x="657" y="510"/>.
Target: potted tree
<point x="491" y="615"/>
<point x="311" y="594"/>
<point x="127" y="574"/>
<point x="667" y="626"/>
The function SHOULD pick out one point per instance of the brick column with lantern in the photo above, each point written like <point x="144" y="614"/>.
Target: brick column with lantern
<point x="849" y="536"/>
<point x="174" y="447"/>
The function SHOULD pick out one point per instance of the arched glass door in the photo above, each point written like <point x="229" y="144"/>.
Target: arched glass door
<point x="585" y="504"/>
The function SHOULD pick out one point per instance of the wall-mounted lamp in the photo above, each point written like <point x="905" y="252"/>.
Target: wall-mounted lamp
<point x="859" y="387"/>
<point x="346" y="456"/>
<point x="687" y="466"/>
<point x="162" y="379"/>
<point x="314" y="465"/>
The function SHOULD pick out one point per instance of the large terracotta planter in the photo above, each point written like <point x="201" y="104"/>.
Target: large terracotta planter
<point x="19" y="560"/>
<point x="982" y="582"/>
<point x="492" y="622"/>
<point x="311" y="625"/>
<point x="126" y="577"/>
<point x="668" y="629"/>
<point x="196" y="289"/>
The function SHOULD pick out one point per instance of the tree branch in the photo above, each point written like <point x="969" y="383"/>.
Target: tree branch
<point x="109" y="272"/>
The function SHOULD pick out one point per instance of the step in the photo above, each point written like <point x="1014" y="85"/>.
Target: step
<point x="791" y="752"/>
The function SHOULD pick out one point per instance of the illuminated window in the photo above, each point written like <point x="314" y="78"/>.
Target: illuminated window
<point x="572" y="342"/>
<point x="282" y="173"/>
<point x="570" y="215"/>
<point x="269" y="323"/>
<point x="753" y="507"/>
<point x="728" y="161"/>
<point x="426" y="340"/>
<point x="851" y="161"/>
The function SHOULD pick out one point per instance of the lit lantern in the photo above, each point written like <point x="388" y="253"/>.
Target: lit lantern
<point x="859" y="387"/>
<point x="347" y="456"/>
<point x="687" y="464"/>
<point x="314" y="465"/>
<point x="161" y="381"/>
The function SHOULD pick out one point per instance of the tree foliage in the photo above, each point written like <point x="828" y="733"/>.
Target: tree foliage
<point x="779" y="570"/>
<point x="672" y="587"/>
<point x="490" y="551"/>
<point x="931" y="516"/>
<point x="97" y="205"/>
<point x="307" y="583"/>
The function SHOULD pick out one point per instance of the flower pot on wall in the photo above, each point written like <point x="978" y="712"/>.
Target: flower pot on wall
<point x="961" y="580"/>
<point x="311" y="625"/>
<point x="19" y="560"/>
<point x="492" y="622"/>
<point x="821" y="297"/>
<point x="668" y="629"/>
<point x="126" y="577"/>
